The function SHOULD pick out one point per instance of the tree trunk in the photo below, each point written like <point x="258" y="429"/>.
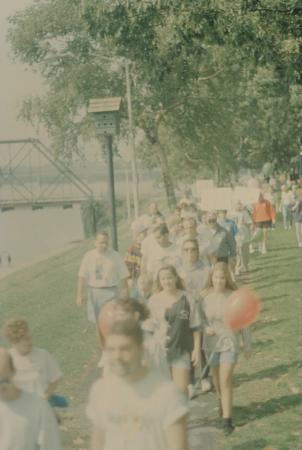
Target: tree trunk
<point x="166" y="176"/>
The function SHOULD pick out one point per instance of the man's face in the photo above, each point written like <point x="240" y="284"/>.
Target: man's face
<point x="161" y="239"/>
<point x="24" y="346"/>
<point x="212" y="223"/>
<point x="124" y="355"/>
<point x="153" y="209"/>
<point x="101" y="243"/>
<point x="189" y="227"/>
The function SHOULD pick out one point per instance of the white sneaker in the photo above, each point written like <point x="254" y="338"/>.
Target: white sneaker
<point x="205" y="385"/>
<point x="191" y="391"/>
<point x="263" y="251"/>
<point x="300" y="245"/>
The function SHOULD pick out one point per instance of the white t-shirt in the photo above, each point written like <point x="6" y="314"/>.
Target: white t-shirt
<point x="159" y="256"/>
<point x="287" y="198"/>
<point x="103" y="269"/>
<point x="195" y="278"/>
<point x="34" y="372"/>
<point x="28" y="423"/>
<point x="134" y="416"/>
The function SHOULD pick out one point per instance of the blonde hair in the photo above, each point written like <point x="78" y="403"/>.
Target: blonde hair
<point x="223" y="266"/>
<point x="15" y="329"/>
<point x="179" y="283"/>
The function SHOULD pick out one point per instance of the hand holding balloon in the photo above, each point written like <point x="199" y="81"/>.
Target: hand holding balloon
<point x="242" y="309"/>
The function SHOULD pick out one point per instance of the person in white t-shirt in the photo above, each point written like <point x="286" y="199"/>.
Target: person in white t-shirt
<point x="26" y="420"/>
<point x="36" y="370"/>
<point x="134" y="408"/>
<point x="104" y="272"/>
<point x="163" y="252"/>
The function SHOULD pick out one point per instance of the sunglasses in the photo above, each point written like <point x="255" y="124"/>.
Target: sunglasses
<point x="190" y="249"/>
<point x="5" y="381"/>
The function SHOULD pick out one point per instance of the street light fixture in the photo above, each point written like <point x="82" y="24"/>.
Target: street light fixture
<point x="106" y="115"/>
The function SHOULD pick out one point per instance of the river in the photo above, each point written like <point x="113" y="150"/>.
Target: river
<point x="27" y="236"/>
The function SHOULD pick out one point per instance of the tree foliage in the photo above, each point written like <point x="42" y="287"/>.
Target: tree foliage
<point x="216" y="84"/>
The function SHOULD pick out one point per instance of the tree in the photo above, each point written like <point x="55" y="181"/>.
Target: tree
<point x="196" y="69"/>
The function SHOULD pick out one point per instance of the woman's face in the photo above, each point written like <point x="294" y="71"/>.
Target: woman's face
<point x="219" y="280"/>
<point x="190" y="252"/>
<point x="167" y="280"/>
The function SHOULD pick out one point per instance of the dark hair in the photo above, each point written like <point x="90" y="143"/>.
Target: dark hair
<point x="130" y="328"/>
<point x="189" y="219"/>
<point x="162" y="228"/>
<point x="132" y="305"/>
<point x="173" y="271"/>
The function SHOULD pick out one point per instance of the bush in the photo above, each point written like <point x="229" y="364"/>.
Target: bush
<point x="94" y="216"/>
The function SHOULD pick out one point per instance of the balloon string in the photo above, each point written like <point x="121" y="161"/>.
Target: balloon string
<point x="209" y="360"/>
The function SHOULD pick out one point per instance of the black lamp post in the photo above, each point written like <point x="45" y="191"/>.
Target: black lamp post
<point x="106" y="114"/>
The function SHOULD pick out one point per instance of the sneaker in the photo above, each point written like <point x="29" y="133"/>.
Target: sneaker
<point x="300" y="245"/>
<point x="228" y="427"/>
<point x="191" y="391"/>
<point x="205" y="385"/>
<point x="263" y="250"/>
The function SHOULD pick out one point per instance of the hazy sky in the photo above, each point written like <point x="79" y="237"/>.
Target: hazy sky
<point x="17" y="81"/>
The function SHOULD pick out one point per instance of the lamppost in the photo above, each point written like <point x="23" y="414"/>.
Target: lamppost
<point x="106" y="115"/>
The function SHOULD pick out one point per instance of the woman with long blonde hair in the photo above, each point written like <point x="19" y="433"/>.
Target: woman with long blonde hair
<point x="221" y="343"/>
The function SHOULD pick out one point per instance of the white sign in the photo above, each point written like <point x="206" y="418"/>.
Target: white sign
<point x="246" y="195"/>
<point x="217" y="198"/>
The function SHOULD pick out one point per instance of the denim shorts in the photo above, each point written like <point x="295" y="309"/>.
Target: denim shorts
<point x="183" y="362"/>
<point x="223" y="357"/>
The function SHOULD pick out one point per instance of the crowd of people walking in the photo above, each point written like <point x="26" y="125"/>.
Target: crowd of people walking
<point x="166" y="337"/>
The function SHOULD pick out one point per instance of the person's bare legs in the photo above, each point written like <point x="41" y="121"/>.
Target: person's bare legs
<point x="264" y="240"/>
<point x="181" y="378"/>
<point x="226" y="388"/>
<point x="298" y="226"/>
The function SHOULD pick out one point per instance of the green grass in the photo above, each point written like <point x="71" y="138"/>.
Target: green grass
<point x="268" y="392"/>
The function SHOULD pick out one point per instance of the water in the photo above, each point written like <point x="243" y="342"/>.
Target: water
<point x="27" y="236"/>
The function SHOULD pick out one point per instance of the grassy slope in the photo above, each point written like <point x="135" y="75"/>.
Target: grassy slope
<point x="268" y="395"/>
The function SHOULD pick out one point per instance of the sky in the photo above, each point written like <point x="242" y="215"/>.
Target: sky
<point x="17" y="80"/>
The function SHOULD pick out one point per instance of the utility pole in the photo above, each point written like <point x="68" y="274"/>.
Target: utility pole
<point x="132" y="144"/>
<point x="111" y="193"/>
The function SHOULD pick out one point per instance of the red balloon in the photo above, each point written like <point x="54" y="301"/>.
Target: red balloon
<point x="242" y="309"/>
<point x="106" y="318"/>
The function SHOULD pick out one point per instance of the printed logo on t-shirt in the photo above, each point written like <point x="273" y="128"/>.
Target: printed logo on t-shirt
<point x="184" y="315"/>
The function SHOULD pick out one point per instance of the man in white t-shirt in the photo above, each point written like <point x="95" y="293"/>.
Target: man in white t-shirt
<point x="26" y="420"/>
<point x="134" y="408"/>
<point x="163" y="251"/>
<point x="104" y="272"/>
